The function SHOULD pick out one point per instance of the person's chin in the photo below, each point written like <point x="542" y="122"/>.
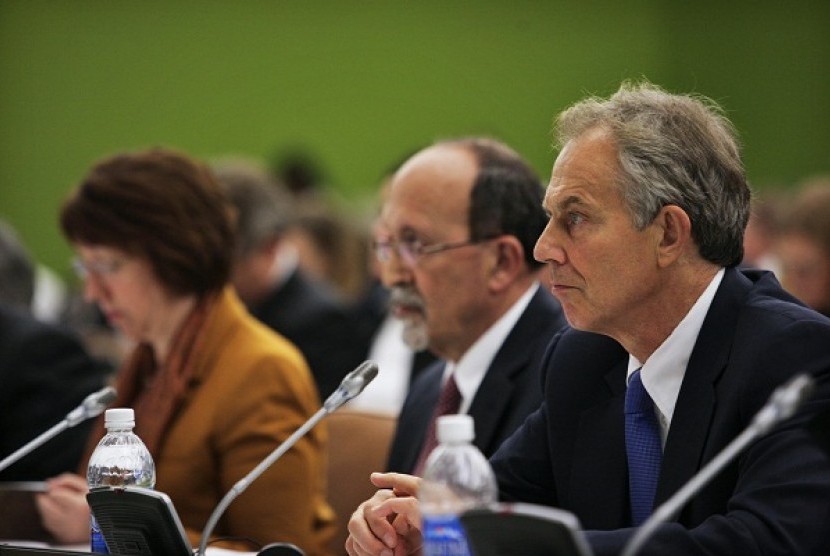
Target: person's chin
<point x="415" y="334"/>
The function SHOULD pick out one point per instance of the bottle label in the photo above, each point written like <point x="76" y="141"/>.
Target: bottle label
<point x="444" y="536"/>
<point x="96" y="539"/>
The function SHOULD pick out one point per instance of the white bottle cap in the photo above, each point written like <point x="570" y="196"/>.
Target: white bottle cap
<point x="455" y="429"/>
<point x="119" y="418"/>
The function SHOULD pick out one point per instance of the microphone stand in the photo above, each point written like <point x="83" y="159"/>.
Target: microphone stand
<point x="782" y="405"/>
<point x="352" y="385"/>
<point x="245" y="481"/>
<point x="34" y="444"/>
<point x="92" y="406"/>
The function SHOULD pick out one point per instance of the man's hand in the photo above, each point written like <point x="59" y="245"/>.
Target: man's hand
<point x="388" y="524"/>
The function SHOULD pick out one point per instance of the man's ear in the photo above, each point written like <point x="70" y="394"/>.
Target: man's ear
<point x="674" y="230"/>
<point x="506" y="262"/>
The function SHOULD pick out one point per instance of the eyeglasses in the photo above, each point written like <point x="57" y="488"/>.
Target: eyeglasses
<point x="411" y="250"/>
<point x="98" y="268"/>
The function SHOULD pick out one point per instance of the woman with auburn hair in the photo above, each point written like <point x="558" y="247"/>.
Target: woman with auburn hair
<point x="214" y="391"/>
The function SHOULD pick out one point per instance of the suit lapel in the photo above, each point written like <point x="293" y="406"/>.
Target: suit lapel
<point x="491" y="400"/>
<point x="495" y="393"/>
<point x="691" y="422"/>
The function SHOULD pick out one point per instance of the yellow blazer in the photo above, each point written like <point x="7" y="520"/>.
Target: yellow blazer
<point x="251" y="389"/>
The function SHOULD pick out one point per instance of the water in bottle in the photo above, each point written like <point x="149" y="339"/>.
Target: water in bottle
<point x="457" y="478"/>
<point x="120" y="459"/>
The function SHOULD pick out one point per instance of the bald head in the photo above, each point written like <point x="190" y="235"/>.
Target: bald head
<point x="432" y="189"/>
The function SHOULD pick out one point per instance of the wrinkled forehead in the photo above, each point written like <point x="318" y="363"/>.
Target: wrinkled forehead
<point x="587" y="169"/>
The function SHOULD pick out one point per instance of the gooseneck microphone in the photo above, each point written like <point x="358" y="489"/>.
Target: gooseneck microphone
<point x="781" y="405"/>
<point x="352" y="385"/>
<point x="92" y="406"/>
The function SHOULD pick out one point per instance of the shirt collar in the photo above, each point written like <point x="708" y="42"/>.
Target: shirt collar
<point x="663" y="371"/>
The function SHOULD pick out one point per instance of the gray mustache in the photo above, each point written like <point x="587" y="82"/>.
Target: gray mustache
<point x="405" y="296"/>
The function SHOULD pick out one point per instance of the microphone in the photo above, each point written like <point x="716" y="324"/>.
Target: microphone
<point x="92" y="406"/>
<point x="781" y="405"/>
<point x="351" y="385"/>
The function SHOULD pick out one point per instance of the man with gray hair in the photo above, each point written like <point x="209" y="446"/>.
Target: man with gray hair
<point x="672" y="351"/>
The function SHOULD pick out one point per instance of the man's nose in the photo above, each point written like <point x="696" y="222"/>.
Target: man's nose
<point x="548" y="248"/>
<point x="394" y="271"/>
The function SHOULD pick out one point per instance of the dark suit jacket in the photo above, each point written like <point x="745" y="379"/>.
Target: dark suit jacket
<point x="314" y="319"/>
<point x="509" y="392"/>
<point x="775" y="499"/>
<point x="44" y="374"/>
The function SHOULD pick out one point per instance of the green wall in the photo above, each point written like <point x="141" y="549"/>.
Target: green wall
<point x="362" y="83"/>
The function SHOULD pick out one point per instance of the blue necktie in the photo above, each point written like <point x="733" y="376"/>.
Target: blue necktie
<point x="642" y="443"/>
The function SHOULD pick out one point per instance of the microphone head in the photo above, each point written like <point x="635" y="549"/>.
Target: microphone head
<point x="98" y="401"/>
<point x="790" y="396"/>
<point x="92" y="406"/>
<point x="358" y="379"/>
<point x="784" y="402"/>
<point x="352" y="385"/>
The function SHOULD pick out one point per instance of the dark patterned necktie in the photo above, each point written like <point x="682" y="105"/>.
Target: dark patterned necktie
<point x="642" y="443"/>
<point x="449" y="401"/>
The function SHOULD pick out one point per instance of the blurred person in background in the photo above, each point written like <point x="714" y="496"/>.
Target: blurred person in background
<point x="27" y="283"/>
<point x="268" y="278"/>
<point x="17" y="270"/>
<point x="761" y="234"/>
<point x="37" y="290"/>
<point x="331" y="246"/>
<point x="803" y="245"/>
<point x="214" y="390"/>
<point x="45" y="372"/>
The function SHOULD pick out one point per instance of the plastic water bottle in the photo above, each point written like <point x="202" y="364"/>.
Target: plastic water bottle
<point x="457" y="478"/>
<point x="120" y="459"/>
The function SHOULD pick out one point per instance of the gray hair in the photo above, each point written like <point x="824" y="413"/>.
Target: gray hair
<point x="263" y="207"/>
<point x="673" y="150"/>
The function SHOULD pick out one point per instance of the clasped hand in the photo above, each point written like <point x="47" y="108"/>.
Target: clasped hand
<point x="389" y="523"/>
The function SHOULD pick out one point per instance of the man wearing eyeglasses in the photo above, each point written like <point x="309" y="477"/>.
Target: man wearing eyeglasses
<point x="455" y="245"/>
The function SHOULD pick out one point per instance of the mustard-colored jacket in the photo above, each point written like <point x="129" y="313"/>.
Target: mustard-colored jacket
<point x="251" y="389"/>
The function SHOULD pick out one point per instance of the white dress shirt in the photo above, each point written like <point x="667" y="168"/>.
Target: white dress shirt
<point x="662" y="373"/>
<point x="386" y="393"/>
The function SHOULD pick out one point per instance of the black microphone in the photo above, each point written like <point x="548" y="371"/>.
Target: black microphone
<point x="781" y="405"/>
<point x="92" y="406"/>
<point x="352" y="385"/>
